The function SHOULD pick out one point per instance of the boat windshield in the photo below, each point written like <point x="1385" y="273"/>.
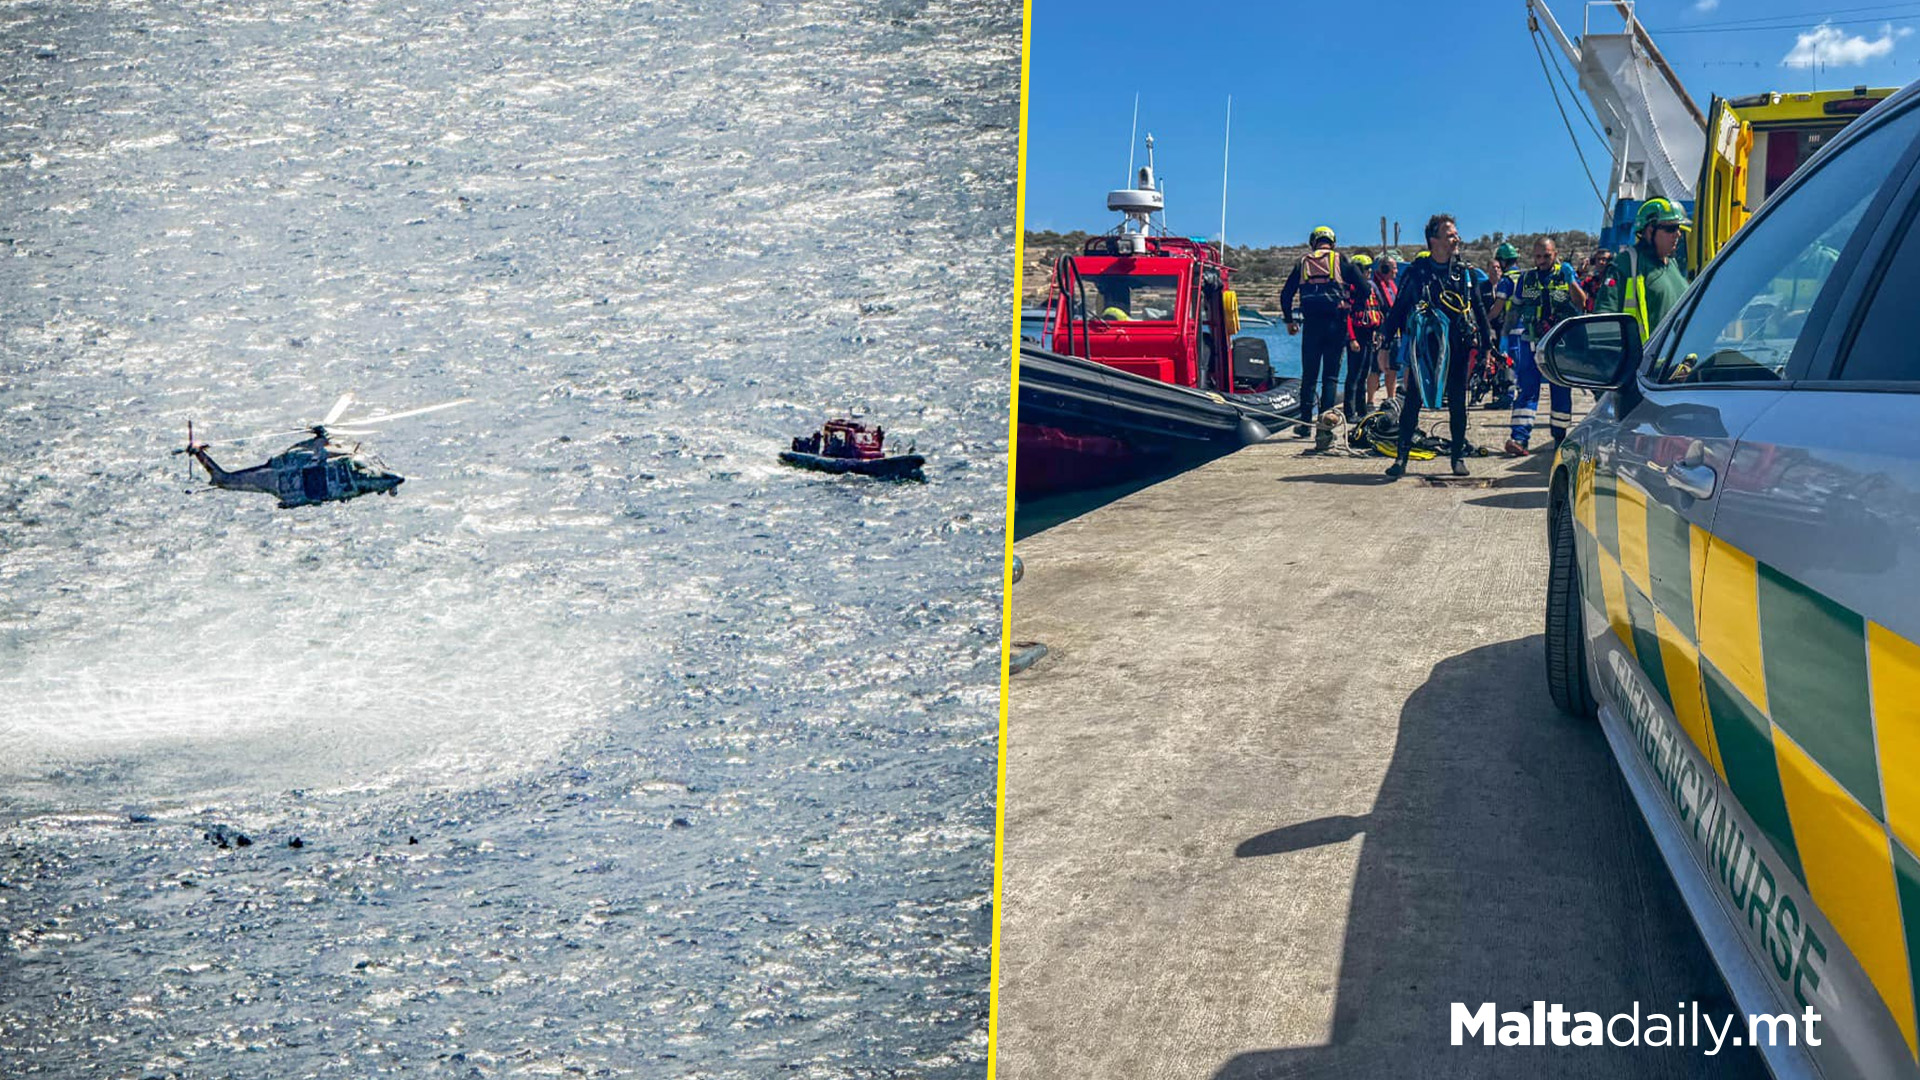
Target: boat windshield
<point x="1129" y="297"/>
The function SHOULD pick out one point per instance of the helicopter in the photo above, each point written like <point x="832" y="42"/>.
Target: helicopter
<point x="315" y="469"/>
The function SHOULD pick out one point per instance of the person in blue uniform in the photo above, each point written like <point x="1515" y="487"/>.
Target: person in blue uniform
<point x="1547" y="294"/>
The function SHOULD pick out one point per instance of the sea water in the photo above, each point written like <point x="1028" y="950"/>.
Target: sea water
<point x="1283" y="349"/>
<point x="611" y="746"/>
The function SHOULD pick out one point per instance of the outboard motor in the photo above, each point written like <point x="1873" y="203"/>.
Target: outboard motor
<point x="1252" y="364"/>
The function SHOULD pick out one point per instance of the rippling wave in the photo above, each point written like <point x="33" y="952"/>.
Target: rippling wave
<point x="612" y="747"/>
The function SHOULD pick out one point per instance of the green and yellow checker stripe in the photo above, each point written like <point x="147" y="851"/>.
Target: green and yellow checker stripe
<point x="1808" y="710"/>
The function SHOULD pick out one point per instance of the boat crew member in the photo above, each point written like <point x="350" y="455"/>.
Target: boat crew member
<point x="1440" y="308"/>
<point x="1386" y="288"/>
<point x="1323" y="280"/>
<point x="1651" y="280"/>
<point x="1548" y="293"/>
<point x="1363" y="324"/>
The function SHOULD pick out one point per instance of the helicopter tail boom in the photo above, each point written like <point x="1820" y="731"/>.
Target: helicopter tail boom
<point x="198" y="452"/>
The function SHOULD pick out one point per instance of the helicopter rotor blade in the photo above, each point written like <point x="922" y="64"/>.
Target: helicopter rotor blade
<point x="338" y="408"/>
<point x="262" y="435"/>
<point x="325" y="427"/>
<point x="363" y="421"/>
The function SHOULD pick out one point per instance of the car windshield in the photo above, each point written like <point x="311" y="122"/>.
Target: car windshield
<point x="1129" y="297"/>
<point x="1755" y="303"/>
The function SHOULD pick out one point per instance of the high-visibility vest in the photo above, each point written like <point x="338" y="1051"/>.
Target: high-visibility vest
<point x="1634" y="299"/>
<point x="1636" y="303"/>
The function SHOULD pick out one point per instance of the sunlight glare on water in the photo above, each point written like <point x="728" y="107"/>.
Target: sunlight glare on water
<point x="612" y="746"/>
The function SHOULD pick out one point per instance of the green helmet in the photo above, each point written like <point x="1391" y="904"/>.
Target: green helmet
<point x="1361" y="260"/>
<point x="1506" y="253"/>
<point x="1659" y="211"/>
<point x="1320" y="232"/>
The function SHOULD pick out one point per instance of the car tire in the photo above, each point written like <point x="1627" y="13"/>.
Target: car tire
<point x="1566" y="636"/>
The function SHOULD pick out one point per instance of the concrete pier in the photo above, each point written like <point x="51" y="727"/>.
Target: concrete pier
<point x="1289" y="784"/>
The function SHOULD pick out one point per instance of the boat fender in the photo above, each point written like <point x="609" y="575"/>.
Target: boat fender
<point x="1252" y="431"/>
<point x="1019" y="569"/>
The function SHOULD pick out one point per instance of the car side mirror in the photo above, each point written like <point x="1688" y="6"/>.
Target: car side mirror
<point x="1592" y="352"/>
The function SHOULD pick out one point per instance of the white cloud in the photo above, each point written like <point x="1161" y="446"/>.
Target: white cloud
<point x="1706" y="5"/>
<point x="1829" y="47"/>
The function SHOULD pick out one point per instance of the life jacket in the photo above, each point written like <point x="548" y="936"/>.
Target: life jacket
<point x="1368" y="314"/>
<point x="1386" y="291"/>
<point x="1323" y="293"/>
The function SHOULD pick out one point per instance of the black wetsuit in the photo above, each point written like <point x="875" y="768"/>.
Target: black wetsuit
<point x="1358" y="364"/>
<point x="1361" y="363"/>
<point x="1426" y="280"/>
<point x="1323" y="337"/>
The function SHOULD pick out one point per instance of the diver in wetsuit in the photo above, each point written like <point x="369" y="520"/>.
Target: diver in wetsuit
<point x="1438" y="300"/>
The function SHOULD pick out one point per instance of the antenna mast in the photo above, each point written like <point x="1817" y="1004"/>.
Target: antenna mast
<point x="1226" y="145"/>
<point x="1133" y="135"/>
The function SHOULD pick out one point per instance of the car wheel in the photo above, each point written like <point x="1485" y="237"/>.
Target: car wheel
<point x="1566" y="637"/>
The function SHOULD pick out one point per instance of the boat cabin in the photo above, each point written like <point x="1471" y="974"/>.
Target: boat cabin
<point x="1157" y="314"/>
<point x="1152" y="304"/>
<point x="845" y="439"/>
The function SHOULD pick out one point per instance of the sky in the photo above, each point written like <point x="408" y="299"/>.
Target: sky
<point x="1344" y="111"/>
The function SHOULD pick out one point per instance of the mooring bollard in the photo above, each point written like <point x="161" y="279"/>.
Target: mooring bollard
<point x="1022" y="655"/>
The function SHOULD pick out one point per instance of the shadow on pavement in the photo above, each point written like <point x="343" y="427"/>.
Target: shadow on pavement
<point x="1529" y="473"/>
<point x="1372" y="479"/>
<point x="1503" y="861"/>
<point x="1531" y="499"/>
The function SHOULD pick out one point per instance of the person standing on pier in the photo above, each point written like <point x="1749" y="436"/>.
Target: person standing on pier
<point x="1651" y="280"/>
<point x="1438" y="303"/>
<point x="1548" y="293"/>
<point x="1323" y="281"/>
<point x="1386" y="285"/>
<point x="1364" y="323"/>
<point x="1505" y="322"/>
<point x="1602" y="283"/>
<point x="1500" y="313"/>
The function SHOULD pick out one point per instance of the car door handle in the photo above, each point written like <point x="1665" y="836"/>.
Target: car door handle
<point x="1695" y="480"/>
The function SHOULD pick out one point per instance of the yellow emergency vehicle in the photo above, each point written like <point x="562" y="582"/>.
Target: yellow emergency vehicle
<point x="1754" y="144"/>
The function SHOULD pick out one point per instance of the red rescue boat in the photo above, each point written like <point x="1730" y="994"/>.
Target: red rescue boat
<point x="848" y="446"/>
<point x="1140" y="365"/>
